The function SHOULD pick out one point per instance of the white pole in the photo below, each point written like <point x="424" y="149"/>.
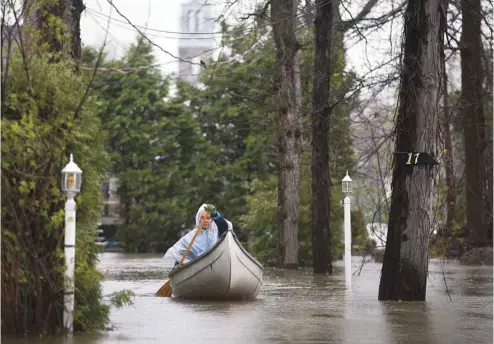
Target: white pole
<point x="69" y="262"/>
<point x="348" y="242"/>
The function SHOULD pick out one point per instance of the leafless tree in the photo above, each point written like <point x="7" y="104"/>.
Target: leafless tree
<point x="405" y="265"/>
<point x="283" y="21"/>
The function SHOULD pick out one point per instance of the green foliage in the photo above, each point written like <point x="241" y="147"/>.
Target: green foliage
<point x="122" y="298"/>
<point x="260" y="221"/>
<point x="360" y="237"/>
<point x="210" y="143"/>
<point x="219" y="144"/>
<point x="155" y="146"/>
<point x="259" y="218"/>
<point x="90" y="313"/>
<point x="41" y="125"/>
<point x="234" y="112"/>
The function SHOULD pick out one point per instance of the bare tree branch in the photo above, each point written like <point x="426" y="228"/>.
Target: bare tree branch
<point x="345" y="25"/>
<point x="95" y="70"/>
<point x="261" y="14"/>
<point x="21" y="44"/>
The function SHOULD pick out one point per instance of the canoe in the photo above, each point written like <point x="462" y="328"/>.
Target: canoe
<point x="226" y="271"/>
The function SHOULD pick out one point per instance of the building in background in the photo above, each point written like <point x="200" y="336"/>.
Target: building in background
<point x="197" y="41"/>
<point x="110" y="216"/>
<point x="111" y="201"/>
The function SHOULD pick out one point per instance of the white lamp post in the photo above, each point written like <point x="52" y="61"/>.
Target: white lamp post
<point x="347" y="186"/>
<point x="71" y="185"/>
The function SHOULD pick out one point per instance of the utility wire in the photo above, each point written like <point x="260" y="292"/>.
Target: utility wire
<point x="178" y="33"/>
<point x="145" y="37"/>
<point x="299" y="13"/>
<point x="211" y="37"/>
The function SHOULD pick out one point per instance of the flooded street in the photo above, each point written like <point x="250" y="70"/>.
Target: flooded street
<point x="297" y="307"/>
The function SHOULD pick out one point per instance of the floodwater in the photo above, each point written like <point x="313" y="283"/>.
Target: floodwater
<point x="298" y="307"/>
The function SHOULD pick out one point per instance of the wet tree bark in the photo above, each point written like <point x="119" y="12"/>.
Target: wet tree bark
<point x="38" y="13"/>
<point x="489" y="203"/>
<point x="329" y="33"/>
<point x="72" y="18"/>
<point x="445" y="124"/>
<point x="321" y="245"/>
<point x="471" y="107"/>
<point x="405" y="264"/>
<point x="283" y="20"/>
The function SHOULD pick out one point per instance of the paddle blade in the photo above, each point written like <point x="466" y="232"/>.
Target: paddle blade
<point x="165" y="290"/>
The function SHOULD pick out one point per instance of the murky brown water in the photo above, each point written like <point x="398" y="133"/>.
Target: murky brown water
<point x="297" y="307"/>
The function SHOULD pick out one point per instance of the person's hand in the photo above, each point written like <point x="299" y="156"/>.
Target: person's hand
<point x="210" y="209"/>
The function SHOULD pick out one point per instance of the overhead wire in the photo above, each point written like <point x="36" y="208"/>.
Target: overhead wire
<point x="233" y="31"/>
<point x="124" y="70"/>
<point x="204" y="52"/>
<point x="117" y="41"/>
<point x="157" y="30"/>
<point x="207" y="37"/>
<point x="359" y="81"/>
<point x="145" y="36"/>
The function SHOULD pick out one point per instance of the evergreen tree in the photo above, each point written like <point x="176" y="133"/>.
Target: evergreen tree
<point x="155" y="148"/>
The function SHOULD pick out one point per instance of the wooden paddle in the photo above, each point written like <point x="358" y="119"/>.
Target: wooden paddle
<point x="166" y="289"/>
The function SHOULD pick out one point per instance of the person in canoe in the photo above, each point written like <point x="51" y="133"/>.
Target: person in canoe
<point x="214" y="227"/>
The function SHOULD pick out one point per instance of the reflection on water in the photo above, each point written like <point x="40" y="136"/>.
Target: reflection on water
<point x="406" y="320"/>
<point x="297" y="307"/>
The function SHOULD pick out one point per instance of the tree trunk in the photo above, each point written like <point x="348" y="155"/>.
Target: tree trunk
<point x="473" y="119"/>
<point x="283" y="17"/>
<point x="445" y="122"/>
<point x="489" y="204"/>
<point x="405" y="264"/>
<point x="72" y="18"/>
<point x="488" y="187"/>
<point x="321" y="248"/>
<point x="39" y="13"/>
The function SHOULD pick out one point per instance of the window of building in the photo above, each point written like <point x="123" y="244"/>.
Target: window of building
<point x="197" y="16"/>
<point x="188" y="21"/>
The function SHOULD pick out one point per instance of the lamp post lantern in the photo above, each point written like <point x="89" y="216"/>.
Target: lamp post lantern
<point x="71" y="185"/>
<point x="347" y="186"/>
